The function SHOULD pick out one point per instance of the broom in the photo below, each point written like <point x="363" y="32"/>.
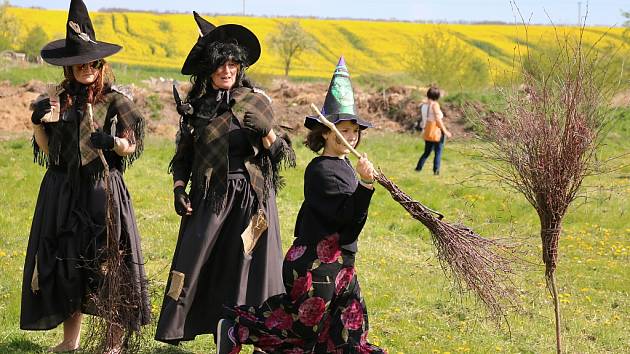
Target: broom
<point x="114" y="297"/>
<point x="476" y="264"/>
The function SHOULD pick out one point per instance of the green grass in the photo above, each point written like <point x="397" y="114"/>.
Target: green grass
<point x="413" y="307"/>
<point x="125" y="74"/>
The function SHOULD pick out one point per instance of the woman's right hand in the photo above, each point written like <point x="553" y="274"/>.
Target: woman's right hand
<point x="40" y="109"/>
<point x="182" y="202"/>
<point x="448" y="134"/>
<point x="365" y="168"/>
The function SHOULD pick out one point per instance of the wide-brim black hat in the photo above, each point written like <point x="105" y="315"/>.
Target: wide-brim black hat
<point x="339" y="102"/>
<point x="80" y="45"/>
<point x="228" y="33"/>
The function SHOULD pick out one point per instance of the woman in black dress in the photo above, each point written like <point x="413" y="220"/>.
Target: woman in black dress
<point x="62" y="267"/>
<point x="323" y="310"/>
<point x="229" y="248"/>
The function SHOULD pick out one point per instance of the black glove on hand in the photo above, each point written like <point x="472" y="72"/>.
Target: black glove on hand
<point x="257" y="124"/>
<point x="101" y="140"/>
<point x="182" y="202"/>
<point x="40" y="109"/>
<point x="185" y="109"/>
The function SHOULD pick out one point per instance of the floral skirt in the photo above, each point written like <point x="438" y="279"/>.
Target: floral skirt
<point x="322" y="310"/>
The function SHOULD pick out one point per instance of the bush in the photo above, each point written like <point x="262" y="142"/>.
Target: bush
<point x="441" y="58"/>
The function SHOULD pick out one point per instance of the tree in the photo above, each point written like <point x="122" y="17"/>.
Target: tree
<point x="442" y="58"/>
<point x="9" y="27"/>
<point x="289" y="42"/>
<point x="34" y="41"/>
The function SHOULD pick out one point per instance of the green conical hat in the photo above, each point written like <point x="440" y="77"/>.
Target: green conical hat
<point x="339" y="102"/>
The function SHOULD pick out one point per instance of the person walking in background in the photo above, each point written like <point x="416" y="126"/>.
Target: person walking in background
<point x="322" y="310"/>
<point x="433" y="130"/>
<point x="62" y="269"/>
<point x="229" y="249"/>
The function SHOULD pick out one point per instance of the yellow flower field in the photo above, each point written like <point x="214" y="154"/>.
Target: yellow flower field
<point x="163" y="40"/>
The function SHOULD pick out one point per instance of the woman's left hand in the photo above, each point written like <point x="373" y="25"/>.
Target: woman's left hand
<point x="256" y="124"/>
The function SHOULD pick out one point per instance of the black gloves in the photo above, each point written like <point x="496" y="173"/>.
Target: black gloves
<point x="40" y="108"/>
<point x="101" y="140"/>
<point x="256" y="124"/>
<point x="182" y="202"/>
<point x="184" y="109"/>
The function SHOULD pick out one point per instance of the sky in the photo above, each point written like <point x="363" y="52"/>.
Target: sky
<point x="600" y="12"/>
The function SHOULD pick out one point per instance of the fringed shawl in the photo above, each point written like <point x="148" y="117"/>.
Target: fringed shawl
<point x="202" y="152"/>
<point x="68" y="147"/>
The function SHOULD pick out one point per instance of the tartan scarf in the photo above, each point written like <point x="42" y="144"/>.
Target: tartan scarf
<point x="69" y="139"/>
<point x="210" y="145"/>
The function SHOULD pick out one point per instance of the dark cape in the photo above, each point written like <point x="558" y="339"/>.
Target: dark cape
<point x="229" y="250"/>
<point x="61" y="269"/>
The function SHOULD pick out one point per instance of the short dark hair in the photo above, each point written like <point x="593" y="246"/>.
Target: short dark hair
<point x="433" y="93"/>
<point x="315" y="137"/>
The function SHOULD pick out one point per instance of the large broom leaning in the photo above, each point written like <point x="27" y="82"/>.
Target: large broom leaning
<point x="477" y="264"/>
<point x="114" y="298"/>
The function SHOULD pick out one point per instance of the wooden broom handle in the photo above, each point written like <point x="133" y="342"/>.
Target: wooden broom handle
<point x="332" y="127"/>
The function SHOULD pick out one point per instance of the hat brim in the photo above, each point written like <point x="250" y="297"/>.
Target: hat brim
<point x="57" y="53"/>
<point x="313" y="121"/>
<point x="224" y="33"/>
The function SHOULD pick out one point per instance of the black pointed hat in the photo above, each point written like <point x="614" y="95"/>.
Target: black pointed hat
<point x="225" y="33"/>
<point x="339" y="102"/>
<point x="80" y="45"/>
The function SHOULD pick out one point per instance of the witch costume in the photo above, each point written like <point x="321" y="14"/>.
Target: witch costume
<point x="229" y="248"/>
<point x="62" y="268"/>
<point x="323" y="310"/>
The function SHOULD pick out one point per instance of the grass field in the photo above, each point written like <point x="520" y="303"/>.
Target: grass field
<point x="412" y="306"/>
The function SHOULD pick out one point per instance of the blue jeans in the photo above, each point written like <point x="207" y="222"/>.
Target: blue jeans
<point x="428" y="147"/>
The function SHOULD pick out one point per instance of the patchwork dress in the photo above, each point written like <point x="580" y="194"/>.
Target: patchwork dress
<point x="323" y="310"/>
<point x="62" y="267"/>
<point x="229" y="250"/>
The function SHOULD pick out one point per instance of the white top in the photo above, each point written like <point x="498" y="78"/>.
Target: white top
<point x="427" y="114"/>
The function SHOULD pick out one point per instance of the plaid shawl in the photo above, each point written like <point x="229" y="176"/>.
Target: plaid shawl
<point x="69" y="139"/>
<point x="202" y="151"/>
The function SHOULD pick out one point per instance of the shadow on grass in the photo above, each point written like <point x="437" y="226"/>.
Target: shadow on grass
<point x="171" y="349"/>
<point x="21" y="345"/>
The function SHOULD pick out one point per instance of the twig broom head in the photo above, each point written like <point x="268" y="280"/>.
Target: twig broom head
<point x="476" y="264"/>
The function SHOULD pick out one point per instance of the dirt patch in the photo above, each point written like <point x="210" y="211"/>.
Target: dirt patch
<point x="394" y="109"/>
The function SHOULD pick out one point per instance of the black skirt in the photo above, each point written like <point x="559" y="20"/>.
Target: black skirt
<point x="210" y="267"/>
<point x="67" y="233"/>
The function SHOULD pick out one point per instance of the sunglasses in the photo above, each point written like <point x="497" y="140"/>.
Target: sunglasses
<point x="94" y="65"/>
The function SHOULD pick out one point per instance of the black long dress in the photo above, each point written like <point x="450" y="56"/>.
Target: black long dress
<point x="322" y="310"/>
<point x="211" y="265"/>
<point x="68" y="229"/>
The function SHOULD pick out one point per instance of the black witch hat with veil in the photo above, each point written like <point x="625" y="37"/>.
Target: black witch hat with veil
<point x="228" y="33"/>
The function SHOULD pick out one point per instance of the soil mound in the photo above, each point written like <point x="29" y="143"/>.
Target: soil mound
<point x="393" y="109"/>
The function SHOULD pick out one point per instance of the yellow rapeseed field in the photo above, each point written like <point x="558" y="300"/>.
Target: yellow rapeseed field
<point x="164" y="40"/>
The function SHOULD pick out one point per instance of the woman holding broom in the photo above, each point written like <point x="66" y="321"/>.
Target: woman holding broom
<point x="323" y="310"/>
<point x="63" y="268"/>
<point x="229" y="248"/>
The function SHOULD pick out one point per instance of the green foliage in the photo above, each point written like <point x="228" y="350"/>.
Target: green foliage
<point x="155" y="106"/>
<point x="439" y="57"/>
<point x="289" y="42"/>
<point x="165" y="26"/>
<point x="9" y="27"/>
<point x="34" y="41"/>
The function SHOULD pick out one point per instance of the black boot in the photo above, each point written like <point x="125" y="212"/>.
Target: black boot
<point x="225" y="344"/>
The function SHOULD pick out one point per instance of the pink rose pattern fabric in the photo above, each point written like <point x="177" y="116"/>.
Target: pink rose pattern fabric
<point x="322" y="311"/>
<point x="295" y="252"/>
<point x="301" y="286"/>
<point x="328" y="249"/>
